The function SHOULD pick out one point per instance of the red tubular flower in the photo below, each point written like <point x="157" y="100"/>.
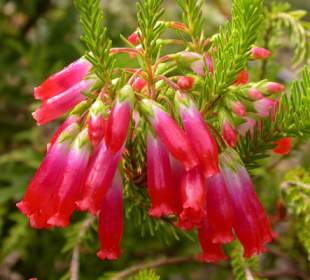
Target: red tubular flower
<point x="260" y="53"/>
<point x="229" y="133"/>
<point x="119" y="119"/>
<point x="110" y="227"/>
<point x="201" y="139"/>
<point x="71" y="185"/>
<point x="284" y="146"/>
<point x="243" y="78"/>
<point x="134" y="39"/>
<point x="139" y="84"/>
<point x="159" y="179"/>
<point x="98" y="180"/>
<point x="272" y="87"/>
<point x="96" y="123"/>
<point x="47" y="179"/>
<point x="212" y="252"/>
<point x="68" y="122"/>
<point x="58" y="105"/>
<point x="171" y="135"/>
<point x="219" y="210"/>
<point x="250" y="221"/>
<point x="193" y="196"/>
<point x="63" y="80"/>
<point x="185" y="82"/>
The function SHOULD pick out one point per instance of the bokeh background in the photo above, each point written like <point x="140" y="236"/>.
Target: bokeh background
<point x="39" y="37"/>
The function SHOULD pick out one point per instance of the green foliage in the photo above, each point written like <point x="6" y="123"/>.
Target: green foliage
<point x="296" y="194"/>
<point x="148" y="14"/>
<point x="233" y="45"/>
<point x="194" y="21"/>
<point x="145" y="274"/>
<point x="291" y="23"/>
<point x="96" y="39"/>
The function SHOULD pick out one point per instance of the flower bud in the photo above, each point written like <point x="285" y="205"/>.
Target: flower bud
<point x="96" y="122"/>
<point x="185" y="83"/>
<point x="260" y="53"/>
<point x="229" y="134"/>
<point x="254" y="94"/>
<point x="139" y="84"/>
<point x="134" y="39"/>
<point x="283" y="146"/>
<point x="238" y="108"/>
<point x="243" y="78"/>
<point x="272" y="87"/>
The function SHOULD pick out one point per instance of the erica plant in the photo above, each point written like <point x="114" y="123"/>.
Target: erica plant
<point x="175" y="135"/>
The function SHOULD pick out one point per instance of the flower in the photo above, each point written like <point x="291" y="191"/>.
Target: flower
<point x="138" y="84"/>
<point x="37" y="203"/>
<point x="70" y="188"/>
<point x="248" y="125"/>
<point x="229" y="133"/>
<point x="200" y="137"/>
<point x="254" y="94"/>
<point x="134" y="39"/>
<point x="243" y="78"/>
<point x="283" y="146"/>
<point x="265" y="106"/>
<point x="119" y="119"/>
<point x="193" y="197"/>
<point x="159" y="179"/>
<point x="238" y="108"/>
<point x="100" y="173"/>
<point x="110" y="226"/>
<point x="96" y="122"/>
<point x="219" y="210"/>
<point x="250" y="222"/>
<point x="63" y="80"/>
<point x="260" y="53"/>
<point x="272" y="87"/>
<point x="185" y="82"/>
<point x="212" y="252"/>
<point x="60" y="104"/>
<point x="171" y="135"/>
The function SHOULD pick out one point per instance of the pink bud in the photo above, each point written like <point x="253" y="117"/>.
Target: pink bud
<point x="139" y="84"/>
<point x="260" y="53"/>
<point x="229" y="134"/>
<point x="134" y="39"/>
<point x="265" y="106"/>
<point x="210" y="64"/>
<point x="273" y="87"/>
<point x="185" y="82"/>
<point x="254" y="94"/>
<point x="239" y="109"/>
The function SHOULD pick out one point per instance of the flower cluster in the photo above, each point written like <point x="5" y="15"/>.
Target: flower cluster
<point x="192" y="171"/>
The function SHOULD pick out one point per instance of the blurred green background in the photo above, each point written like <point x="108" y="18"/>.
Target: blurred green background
<point x="37" y="38"/>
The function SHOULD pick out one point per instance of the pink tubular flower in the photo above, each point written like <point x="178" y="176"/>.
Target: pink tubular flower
<point x="47" y="179"/>
<point x="138" y="84"/>
<point x="284" y="146"/>
<point x="70" y="188"/>
<point x="243" y="78"/>
<point x="248" y="125"/>
<point x="96" y="123"/>
<point x="219" y="210"/>
<point x="58" y="105"/>
<point x="159" y="179"/>
<point x="201" y="139"/>
<point x="210" y="64"/>
<point x="229" y="133"/>
<point x="238" y="108"/>
<point x="260" y="53"/>
<point x="185" y="82"/>
<point x="171" y="135"/>
<point x="63" y="80"/>
<point x="250" y="221"/>
<point x="119" y="120"/>
<point x="100" y="173"/>
<point x="110" y="227"/>
<point x="212" y="252"/>
<point x="193" y="196"/>
<point x="272" y="87"/>
<point x="68" y="122"/>
<point x="254" y="94"/>
<point x="134" y="39"/>
<point x="265" y="106"/>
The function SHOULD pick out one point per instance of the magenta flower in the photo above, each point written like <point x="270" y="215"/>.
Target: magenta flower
<point x="60" y="104"/>
<point x="63" y="80"/>
<point x="260" y="53"/>
<point x="110" y="226"/>
<point x="272" y="87"/>
<point x="229" y="133"/>
<point x="254" y="94"/>
<point x="159" y="179"/>
<point x="201" y="139"/>
<point x="119" y="120"/>
<point x="265" y="107"/>
<point x="96" y="123"/>
<point x="70" y="188"/>
<point x="171" y="135"/>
